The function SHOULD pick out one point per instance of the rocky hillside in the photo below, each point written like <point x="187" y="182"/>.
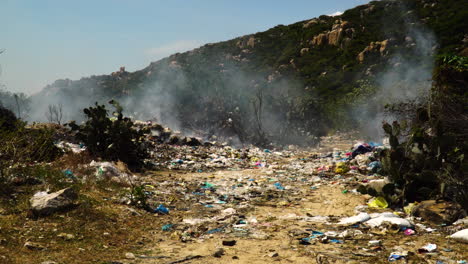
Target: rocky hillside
<point x="290" y="83"/>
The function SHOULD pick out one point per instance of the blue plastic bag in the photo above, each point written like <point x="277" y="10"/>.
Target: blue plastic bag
<point x="161" y="209"/>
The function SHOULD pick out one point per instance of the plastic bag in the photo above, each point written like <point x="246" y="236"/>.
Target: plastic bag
<point x="362" y="217"/>
<point x="461" y="236"/>
<point x="378" y="202"/>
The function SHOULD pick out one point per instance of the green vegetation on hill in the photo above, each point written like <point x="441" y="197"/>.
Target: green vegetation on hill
<point x="305" y="76"/>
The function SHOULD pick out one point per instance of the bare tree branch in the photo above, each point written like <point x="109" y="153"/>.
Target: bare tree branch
<point x="55" y="113"/>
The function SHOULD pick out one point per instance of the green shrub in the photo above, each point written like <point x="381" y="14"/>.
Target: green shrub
<point x="429" y="162"/>
<point x="112" y="139"/>
<point x="8" y="120"/>
<point x="139" y="197"/>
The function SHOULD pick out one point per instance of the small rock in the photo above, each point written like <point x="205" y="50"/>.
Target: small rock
<point x="129" y="255"/>
<point x="218" y="253"/>
<point x="66" y="236"/>
<point x="235" y="257"/>
<point x="48" y="262"/>
<point x="229" y="243"/>
<point x="133" y="211"/>
<point x="273" y="254"/>
<point x="43" y="203"/>
<point x="34" y="246"/>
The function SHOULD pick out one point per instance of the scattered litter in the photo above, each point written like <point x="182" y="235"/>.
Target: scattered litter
<point x="167" y="227"/>
<point x="216" y="230"/>
<point x="428" y="248"/>
<point x="374" y="243"/>
<point x="397" y="256"/>
<point x="374" y="166"/>
<point x="316" y="219"/>
<point x="278" y="186"/>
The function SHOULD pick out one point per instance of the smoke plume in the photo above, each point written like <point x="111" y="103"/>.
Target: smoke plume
<point x="406" y="78"/>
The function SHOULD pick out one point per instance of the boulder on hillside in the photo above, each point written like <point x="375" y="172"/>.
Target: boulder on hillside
<point x="320" y="39"/>
<point x="304" y="51"/>
<point x="375" y="49"/>
<point x="310" y="23"/>
<point x="43" y="203"/>
<point x="340" y="35"/>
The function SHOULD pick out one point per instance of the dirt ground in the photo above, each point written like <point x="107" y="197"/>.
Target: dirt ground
<point x="280" y="223"/>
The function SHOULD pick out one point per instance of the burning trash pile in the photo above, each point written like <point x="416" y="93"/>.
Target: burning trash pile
<point x="171" y="150"/>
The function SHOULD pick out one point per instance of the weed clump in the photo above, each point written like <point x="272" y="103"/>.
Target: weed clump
<point x="21" y="148"/>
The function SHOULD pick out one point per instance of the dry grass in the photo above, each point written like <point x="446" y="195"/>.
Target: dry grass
<point x="102" y="231"/>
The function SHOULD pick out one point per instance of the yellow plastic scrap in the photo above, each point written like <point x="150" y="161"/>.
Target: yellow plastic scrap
<point x="378" y="202"/>
<point x="341" y="167"/>
<point x="409" y="208"/>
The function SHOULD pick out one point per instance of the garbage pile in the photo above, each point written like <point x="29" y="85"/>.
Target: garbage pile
<point x="258" y="194"/>
<point x="320" y="200"/>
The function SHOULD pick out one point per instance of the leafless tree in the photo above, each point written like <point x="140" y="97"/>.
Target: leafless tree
<point x="18" y="106"/>
<point x="257" y="104"/>
<point x="258" y="107"/>
<point x="55" y="114"/>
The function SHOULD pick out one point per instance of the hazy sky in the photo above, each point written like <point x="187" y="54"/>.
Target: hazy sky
<point x="48" y="40"/>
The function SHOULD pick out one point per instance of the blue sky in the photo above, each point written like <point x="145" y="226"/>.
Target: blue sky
<point x="54" y="39"/>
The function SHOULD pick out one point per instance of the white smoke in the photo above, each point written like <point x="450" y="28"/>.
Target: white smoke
<point x="407" y="77"/>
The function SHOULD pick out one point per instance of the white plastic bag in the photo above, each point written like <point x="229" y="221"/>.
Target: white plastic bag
<point x="362" y="217"/>
<point x="379" y="219"/>
<point x="461" y="236"/>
